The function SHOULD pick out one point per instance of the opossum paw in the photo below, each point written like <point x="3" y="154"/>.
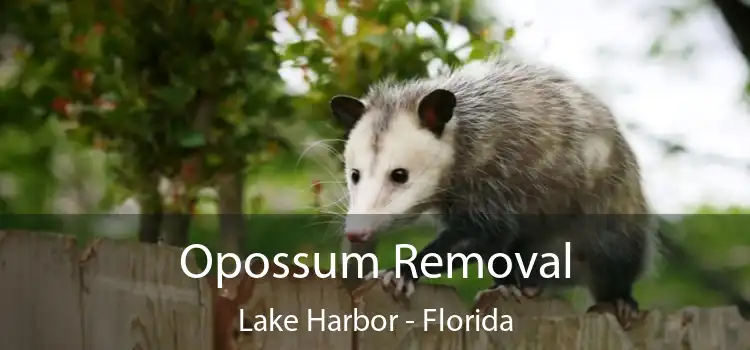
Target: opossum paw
<point x="398" y="286"/>
<point x="625" y="310"/>
<point x="531" y="292"/>
<point x="510" y="291"/>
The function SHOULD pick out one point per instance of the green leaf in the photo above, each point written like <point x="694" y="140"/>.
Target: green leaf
<point x="257" y="203"/>
<point x="657" y="47"/>
<point x="510" y="33"/>
<point x="221" y="32"/>
<point x="437" y="25"/>
<point x="401" y="8"/>
<point x="176" y="95"/>
<point x="399" y="20"/>
<point x="376" y="40"/>
<point x="192" y="140"/>
<point x="481" y="49"/>
<point x="296" y="49"/>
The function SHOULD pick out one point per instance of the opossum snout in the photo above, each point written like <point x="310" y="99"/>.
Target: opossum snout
<point x="361" y="227"/>
<point x="358" y="236"/>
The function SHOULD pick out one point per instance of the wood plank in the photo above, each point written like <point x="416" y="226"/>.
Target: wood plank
<point x="39" y="292"/>
<point x="719" y="328"/>
<point x="410" y="332"/>
<point x="297" y="297"/>
<point x="136" y="296"/>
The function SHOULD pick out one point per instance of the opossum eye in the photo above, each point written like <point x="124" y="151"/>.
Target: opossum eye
<point x="355" y="176"/>
<point x="400" y="175"/>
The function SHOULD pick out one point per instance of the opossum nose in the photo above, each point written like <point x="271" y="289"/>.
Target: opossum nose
<point x="356" y="236"/>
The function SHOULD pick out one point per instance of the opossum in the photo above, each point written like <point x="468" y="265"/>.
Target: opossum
<point x="512" y="157"/>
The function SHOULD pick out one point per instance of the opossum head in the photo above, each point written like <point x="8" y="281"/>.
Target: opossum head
<point x="395" y="158"/>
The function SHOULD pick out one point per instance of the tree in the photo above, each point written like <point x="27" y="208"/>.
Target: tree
<point x="189" y="91"/>
<point x="183" y="90"/>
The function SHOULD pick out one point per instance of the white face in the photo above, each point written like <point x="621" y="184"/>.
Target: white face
<point x="393" y="180"/>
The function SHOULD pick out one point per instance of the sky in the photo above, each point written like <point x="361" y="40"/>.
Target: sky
<point x="695" y="101"/>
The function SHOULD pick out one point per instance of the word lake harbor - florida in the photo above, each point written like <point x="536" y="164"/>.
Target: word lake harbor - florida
<point x="322" y="320"/>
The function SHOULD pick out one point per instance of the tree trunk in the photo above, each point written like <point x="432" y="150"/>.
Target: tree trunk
<point x="177" y="223"/>
<point x="736" y="14"/>
<point x="231" y="214"/>
<point x="150" y="219"/>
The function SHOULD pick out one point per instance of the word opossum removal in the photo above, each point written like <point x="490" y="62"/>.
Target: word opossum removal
<point x="548" y="269"/>
<point x="511" y="158"/>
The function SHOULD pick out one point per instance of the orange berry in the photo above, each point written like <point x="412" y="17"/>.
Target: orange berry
<point x="99" y="28"/>
<point x="328" y="26"/>
<point x="60" y="105"/>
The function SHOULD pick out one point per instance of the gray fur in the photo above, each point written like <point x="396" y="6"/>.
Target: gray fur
<point x="524" y="112"/>
<point x="527" y="143"/>
<point x="520" y="134"/>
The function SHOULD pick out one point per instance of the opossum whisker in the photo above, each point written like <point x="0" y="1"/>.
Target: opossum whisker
<point x="325" y="145"/>
<point x="341" y="203"/>
<point x="336" y="204"/>
<point x="340" y="184"/>
<point x="331" y="150"/>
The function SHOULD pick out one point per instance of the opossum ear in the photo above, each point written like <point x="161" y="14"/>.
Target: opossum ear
<point x="436" y="109"/>
<point x="346" y="110"/>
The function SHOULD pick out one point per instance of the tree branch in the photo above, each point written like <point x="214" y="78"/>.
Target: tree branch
<point x="152" y="212"/>
<point x="178" y="224"/>
<point x="231" y="215"/>
<point x="737" y="17"/>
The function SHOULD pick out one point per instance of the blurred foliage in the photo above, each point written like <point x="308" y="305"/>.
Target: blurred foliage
<point x="101" y="99"/>
<point x="133" y="78"/>
<point x="355" y="46"/>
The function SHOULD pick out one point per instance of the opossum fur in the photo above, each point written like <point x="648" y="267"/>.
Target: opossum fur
<point x="514" y="158"/>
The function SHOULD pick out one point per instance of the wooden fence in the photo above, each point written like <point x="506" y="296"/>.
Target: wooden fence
<point x="126" y="295"/>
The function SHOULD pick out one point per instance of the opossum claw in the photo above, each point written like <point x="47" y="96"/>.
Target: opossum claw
<point x="402" y="286"/>
<point x="626" y="312"/>
<point x="507" y="291"/>
<point x="371" y="275"/>
<point x="531" y="292"/>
